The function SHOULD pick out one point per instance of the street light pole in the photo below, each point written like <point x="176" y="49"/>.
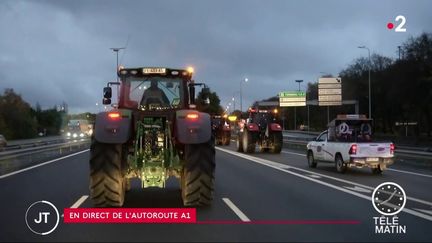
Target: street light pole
<point x="370" y="102"/>
<point x="241" y="96"/>
<point x="116" y="50"/>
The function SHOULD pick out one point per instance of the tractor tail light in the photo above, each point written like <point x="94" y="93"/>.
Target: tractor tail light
<point x="192" y="116"/>
<point x="114" y="115"/>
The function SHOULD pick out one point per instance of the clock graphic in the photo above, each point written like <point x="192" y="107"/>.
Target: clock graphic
<point x="388" y="198"/>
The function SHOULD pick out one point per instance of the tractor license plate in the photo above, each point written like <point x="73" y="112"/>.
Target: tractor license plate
<point x="154" y="70"/>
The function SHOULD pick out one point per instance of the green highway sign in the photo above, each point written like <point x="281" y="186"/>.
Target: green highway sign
<point x="292" y="94"/>
<point x="292" y="98"/>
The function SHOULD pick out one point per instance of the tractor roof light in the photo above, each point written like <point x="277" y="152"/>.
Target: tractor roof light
<point x="232" y="118"/>
<point x="190" y="69"/>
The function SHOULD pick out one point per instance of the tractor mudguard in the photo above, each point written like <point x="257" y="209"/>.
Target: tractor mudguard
<point x="274" y="127"/>
<point x="252" y="127"/>
<point x="112" y="130"/>
<point x="193" y="127"/>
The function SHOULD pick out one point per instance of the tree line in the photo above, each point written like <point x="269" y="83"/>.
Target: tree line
<point x="18" y="120"/>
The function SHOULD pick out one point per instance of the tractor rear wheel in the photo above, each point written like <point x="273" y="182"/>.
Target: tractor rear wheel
<point x="107" y="180"/>
<point x="239" y="142"/>
<point x="248" y="142"/>
<point x="277" y="141"/>
<point x="226" y="139"/>
<point x="198" y="174"/>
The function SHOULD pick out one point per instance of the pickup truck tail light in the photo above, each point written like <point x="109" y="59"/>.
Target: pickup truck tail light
<point x="353" y="149"/>
<point x="392" y="148"/>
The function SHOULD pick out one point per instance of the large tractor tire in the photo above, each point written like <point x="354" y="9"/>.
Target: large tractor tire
<point x="226" y="139"/>
<point x="198" y="174"/>
<point x="248" y="142"/>
<point x="263" y="149"/>
<point x="239" y="142"/>
<point x="277" y="142"/>
<point x="107" y="180"/>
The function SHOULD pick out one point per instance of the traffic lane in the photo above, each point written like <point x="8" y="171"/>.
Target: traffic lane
<point x="66" y="181"/>
<point x="217" y="222"/>
<point x="170" y="197"/>
<point x="414" y="185"/>
<point x="158" y="232"/>
<point x="137" y="232"/>
<point x="60" y="183"/>
<point x="285" y="194"/>
<point x="244" y="183"/>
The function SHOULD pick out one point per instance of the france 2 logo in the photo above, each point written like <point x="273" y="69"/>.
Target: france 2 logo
<point x="401" y="20"/>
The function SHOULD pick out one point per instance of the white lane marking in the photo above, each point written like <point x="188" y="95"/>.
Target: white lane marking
<point x="42" y="164"/>
<point x="358" y="189"/>
<point x="271" y="165"/>
<point x="236" y="210"/>
<point x="315" y="176"/>
<point x="409" y="172"/>
<point x="285" y="167"/>
<point x="391" y="169"/>
<point x="356" y="184"/>
<point x="424" y="210"/>
<point x="79" y="202"/>
<point x="286" y="152"/>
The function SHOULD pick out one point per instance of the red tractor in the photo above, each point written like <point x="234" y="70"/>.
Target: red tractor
<point x="262" y="128"/>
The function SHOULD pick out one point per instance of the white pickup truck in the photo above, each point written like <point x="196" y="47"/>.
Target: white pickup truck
<point x="347" y="143"/>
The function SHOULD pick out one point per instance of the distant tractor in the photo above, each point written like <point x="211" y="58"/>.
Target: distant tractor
<point x="221" y="130"/>
<point x="153" y="133"/>
<point x="261" y="128"/>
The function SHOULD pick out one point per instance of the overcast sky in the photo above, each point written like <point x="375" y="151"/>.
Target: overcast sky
<point x="55" y="51"/>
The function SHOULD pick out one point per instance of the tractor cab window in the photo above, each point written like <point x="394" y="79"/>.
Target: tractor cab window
<point x="152" y="93"/>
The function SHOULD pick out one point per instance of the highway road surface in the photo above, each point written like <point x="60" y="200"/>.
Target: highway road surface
<point x="258" y="197"/>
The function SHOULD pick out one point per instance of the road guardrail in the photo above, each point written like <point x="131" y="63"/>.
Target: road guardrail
<point x="17" y="159"/>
